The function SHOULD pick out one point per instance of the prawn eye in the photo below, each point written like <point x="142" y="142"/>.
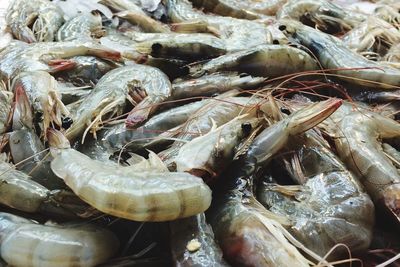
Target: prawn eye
<point x="66" y="122"/>
<point x="285" y="110"/>
<point x="156" y="48"/>
<point x="282" y="27"/>
<point x="246" y="128"/>
<point x="164" y="18"/>
<point x="275" y="42"/>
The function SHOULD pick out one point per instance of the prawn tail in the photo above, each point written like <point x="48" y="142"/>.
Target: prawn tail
<point x="53" y="110"/>
<point x="154" y="163"/>
<point x="22" y="111"/>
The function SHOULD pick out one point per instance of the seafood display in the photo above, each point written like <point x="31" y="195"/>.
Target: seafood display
<point x="207" y="133"/>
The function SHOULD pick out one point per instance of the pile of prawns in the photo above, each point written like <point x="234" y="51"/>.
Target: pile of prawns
<point x="200" y="133"/>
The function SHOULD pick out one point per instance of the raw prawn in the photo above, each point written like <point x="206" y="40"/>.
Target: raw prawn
<point x="328" y="206"/>
<point x="27" y="243"/>
<point x="34" y="21"/>
<point x="142" y="192"/>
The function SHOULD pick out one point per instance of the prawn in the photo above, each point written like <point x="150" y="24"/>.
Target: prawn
<point x="133" y="13"/>
<point x="263" y="60"/>
<point x="246" y="232"/>
<point x="26" y="148"/>
<point x="247" y="9"/>
<point x="20" y="192"/>
<point x="84" y="26"/>
<point x="225" y="8"/>
<point x="372" y="36"/>
<point x="238" y="34"/>
<point x="208" y="155"/>
<point x="34" y="21"/>
<point x="121" y="137"/>
<point x="145" y="191"/>
<point x="145" y="85"/>
<point x="179" y="45"/>
<point x="40" y="91"/>
<point x="222" y="110"/>
<point x="26" y="243"/>
<point x="48" y="56"/>
<point x="356" y="135"/>
<point x="328" y="206"/>
<point x="325" y="15"/>
<point x="213" y="83"/>
<point x="347" y="64"/>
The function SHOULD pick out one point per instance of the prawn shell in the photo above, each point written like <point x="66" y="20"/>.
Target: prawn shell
<point x="134" y="195"/>
<point x="46" y="246"/>
<point x="18" y="191"/>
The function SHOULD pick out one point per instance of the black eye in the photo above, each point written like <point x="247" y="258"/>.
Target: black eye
<point x="246" y="128"/>
<point x="67" y="122"/>
<point x="164" y="18"/>
<point x="156" y="47"/>
<point x="282" y="27"/>
<point x="242" y="75"/>
<point x="275" y="42"/>
<point x="285" y="110"/>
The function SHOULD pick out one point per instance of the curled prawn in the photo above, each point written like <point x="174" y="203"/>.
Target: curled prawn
<point x="83" y="26"/>
<point x="144" y="86"/>
<point x="34" y="21"/>
<point x="373" y="36"/>
<point x="327" y="205"/>
<point x="142" y="192"/>
<point x="357" y="134"/>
